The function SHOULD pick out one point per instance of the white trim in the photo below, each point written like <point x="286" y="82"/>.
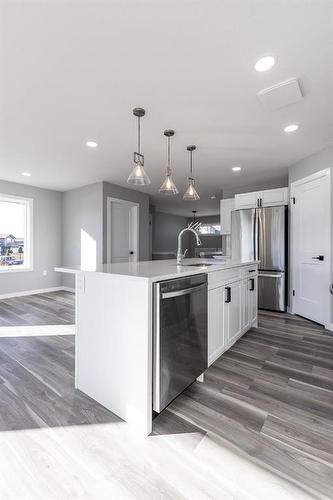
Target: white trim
<point x="68" y="289"/>
<point x="299" y="182"/>
<point x="135" y="222"/>
<point x="36" y="330"/>
<point x="28" y="236"/>
<point x="329" y="326"/>
<point x="34" y="292"/>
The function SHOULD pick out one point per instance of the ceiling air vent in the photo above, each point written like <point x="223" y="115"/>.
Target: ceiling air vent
<point x="280" y="95"/>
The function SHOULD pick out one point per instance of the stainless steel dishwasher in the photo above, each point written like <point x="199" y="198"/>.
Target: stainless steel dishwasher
<point x="180" y="336"/>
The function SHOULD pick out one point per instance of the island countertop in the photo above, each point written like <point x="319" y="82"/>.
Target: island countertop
<point x="157" y="270"/>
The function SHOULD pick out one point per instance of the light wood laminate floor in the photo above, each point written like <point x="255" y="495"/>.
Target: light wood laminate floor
<point x="259" y="427"/>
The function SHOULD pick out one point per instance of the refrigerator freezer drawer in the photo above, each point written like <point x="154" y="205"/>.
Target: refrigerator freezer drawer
<point x="271" y="291"/>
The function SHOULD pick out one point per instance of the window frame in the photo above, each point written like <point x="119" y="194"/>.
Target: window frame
<point x="28" y="236"/>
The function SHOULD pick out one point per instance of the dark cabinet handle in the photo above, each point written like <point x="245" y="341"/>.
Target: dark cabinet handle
<point x="252" y="284"/>
<point x="228" y="297"/>
<point x="131" y="253"/>
<point x="320" y="257"/>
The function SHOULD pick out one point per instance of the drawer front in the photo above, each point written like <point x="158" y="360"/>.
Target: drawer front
<point x="248" y="271"/>
<point x="220" y="278"/>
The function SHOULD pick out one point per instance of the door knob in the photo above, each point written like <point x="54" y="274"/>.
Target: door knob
<point x="131" y="253"/>
<point x="320" y="257"/>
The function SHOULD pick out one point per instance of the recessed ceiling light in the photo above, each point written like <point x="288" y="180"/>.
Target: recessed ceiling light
<point x="236" y="169"/>
<point x="91" y="144"/>
<point x="26" y="174"/>
<point x="264" y="64"/>
<point x="291" y="128"/>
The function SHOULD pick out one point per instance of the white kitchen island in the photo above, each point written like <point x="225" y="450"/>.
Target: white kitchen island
<point x="114" y="319"/>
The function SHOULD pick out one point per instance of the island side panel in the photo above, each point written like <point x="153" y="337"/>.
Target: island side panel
<point x="114" y="345"/>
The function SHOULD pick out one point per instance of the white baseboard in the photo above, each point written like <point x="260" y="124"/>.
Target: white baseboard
<point x="329" y="326"/>
<point x="68" y="289"/>
<point x="34" y="292"/>
<point x="37" y="330"/>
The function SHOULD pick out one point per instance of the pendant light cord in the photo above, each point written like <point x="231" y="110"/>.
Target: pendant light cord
<point x="169" y="155"/>
<point x="191" y="166"/>
<point x="139" y="134"/>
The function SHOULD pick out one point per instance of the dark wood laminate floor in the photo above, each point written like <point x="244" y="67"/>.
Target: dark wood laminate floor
<point x="270" y="398"/>
<point x="54" y="308"/>
<point x="268" y="402"/>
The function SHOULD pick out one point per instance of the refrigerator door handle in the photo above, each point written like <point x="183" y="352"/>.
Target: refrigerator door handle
<point x="268" y="275"/>
<point x="256" y="235"/>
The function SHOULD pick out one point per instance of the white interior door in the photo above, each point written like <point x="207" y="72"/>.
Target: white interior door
<point x="311" y="223"/>
<point x="122" y="230"/>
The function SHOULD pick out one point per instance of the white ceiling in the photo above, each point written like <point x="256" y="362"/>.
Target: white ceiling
<point x="73" y="70"/>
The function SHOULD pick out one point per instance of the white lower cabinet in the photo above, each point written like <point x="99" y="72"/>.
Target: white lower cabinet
<point x="232" y="310"/>
<point x="253" y="300"/>
<point x="216" y="340"/>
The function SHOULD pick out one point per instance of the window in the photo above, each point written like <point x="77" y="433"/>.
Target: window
<point x="210" y="229"/>
<point x="15" y="233"/>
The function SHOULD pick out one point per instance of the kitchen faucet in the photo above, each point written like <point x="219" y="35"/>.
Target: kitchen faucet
<point x="193" y="227"/>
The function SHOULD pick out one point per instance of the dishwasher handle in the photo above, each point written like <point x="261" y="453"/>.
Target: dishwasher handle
<point x="184" y="291"/>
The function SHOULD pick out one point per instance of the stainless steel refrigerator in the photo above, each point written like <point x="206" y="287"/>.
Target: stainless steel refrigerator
<point x="261" y="234"/>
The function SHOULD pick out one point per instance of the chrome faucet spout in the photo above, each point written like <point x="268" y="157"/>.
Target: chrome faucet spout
<point x="193" y="228"/>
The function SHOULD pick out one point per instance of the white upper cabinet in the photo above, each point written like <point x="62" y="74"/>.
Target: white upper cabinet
<point x="226" y="207"/>
<point x="267" y="198"/>
<point x="247" y="200"/>
<point x="274" y="197"/>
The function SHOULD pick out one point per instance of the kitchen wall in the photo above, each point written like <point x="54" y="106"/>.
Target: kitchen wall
<point x="230" y="192"/>
<point x="47" y="240"/>
<point x="165" y="230"/>
<point x="121" y="193"/>
<point x="82" y="220"/>
<point x="314" y="163"/>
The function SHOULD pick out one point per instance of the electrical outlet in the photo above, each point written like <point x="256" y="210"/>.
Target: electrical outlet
<point x="45" y="272"/>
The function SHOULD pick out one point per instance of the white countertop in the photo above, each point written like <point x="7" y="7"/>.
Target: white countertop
<point x="157" y="270"/>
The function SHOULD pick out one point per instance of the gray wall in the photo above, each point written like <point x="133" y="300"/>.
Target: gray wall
<point x="82" y="209"/>
<point x="314" y="163"/>
<point x="230" y="192"/>
<point x="121" y="193"/>
<point x="166" y="228"/>
<point x="47" y="240"/>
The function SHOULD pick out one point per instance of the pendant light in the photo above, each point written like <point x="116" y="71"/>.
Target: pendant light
<point x="168" y="187"/>
<point x="191" y="193"/>
<point x="138" y="176"/>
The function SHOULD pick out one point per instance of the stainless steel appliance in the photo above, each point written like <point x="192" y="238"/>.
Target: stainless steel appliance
<point x="180" y="336"/>
<point x="261" y="234"/>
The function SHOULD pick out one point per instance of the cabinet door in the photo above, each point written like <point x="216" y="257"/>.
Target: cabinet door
<point x="216" y="343"/>
<point x="274" y="197"/>
<point x="226" y="207"/>
<point x="253" y="300"/>
<point x="233" y="312"/>
<point x="247" y="200"/>
<point x="246" y="304"/>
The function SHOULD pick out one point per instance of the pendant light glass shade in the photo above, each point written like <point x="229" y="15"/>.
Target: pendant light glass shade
<point x="168" y="187"/>
<point x="138" y="176"/>
<point x="191" y="193"/>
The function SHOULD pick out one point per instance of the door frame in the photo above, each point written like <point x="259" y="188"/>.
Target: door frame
<point x="317" y="175"/>
<point x="135" y="207"/>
